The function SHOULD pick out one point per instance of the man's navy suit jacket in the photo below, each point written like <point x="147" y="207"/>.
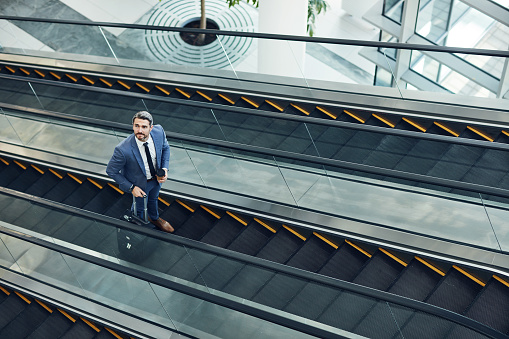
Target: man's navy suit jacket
<point x="126" y="165"/>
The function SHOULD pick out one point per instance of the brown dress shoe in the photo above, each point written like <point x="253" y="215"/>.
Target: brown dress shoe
<point x="163" y="225"/>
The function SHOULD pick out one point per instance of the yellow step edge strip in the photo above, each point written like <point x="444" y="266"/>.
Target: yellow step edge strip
<point x="55" y="75"/>
<point x="10" y="69"/>
<point x="265" y="225"/>
<point x="124" y="84"/>
<point x="356" y="117"/>
<point x="24" y="71"/>
<point x="44" y="306"/>
<point x="20" y="164"/>
<point x="4" y="161"/>
<point x="142" y="87"/>
<point x="505" y="132"/>
<point x="89" y="323"/>
<point x="250" y="102"/>
<point x="164" y="201"/>
<point x="116" y="188"/>
<point x="430" y="266"/>
<point x="37" y="169"/>
<point x="185" y="205"/>
<point x="393" y="256"/>
<point x="469" y="275"/>
<point x="73" y="78"/>
<point x="113" y="333"/>
<point x="236" y="217"/>
<point x="5" y="291"/>
<point x="204" y="95"/>
<point x="358" y="248"/>
<point x="326" y="240"/>
<point x="164" y="90"/>
<point x="446" y="128"/>
<point x="217" y="216"/>
<point x="485" y="136"/>
<point x="56" y="173"/>
<point x="95" y="183"/>
<point x="323" y="110"/>
<point x="501" y="280"/>
<point x="416" y="125"/>
<point x="300" y="109"/>
<point x="187" y="95"/>
<point x="295" y="232"/>
<point x="226" y="98"/>
<point x="72" y="176"/>
<point x="89" y="80"/>
<point x="67" y="315"/>
<point x="382" y="119"/>
<point x="23" y="297"/>
<point x="276" y="106"/>
<point x="39" y="72"/>
<point x="106" y="82"/>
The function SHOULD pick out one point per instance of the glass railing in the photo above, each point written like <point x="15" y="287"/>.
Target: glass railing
<point x="244" y="56"/>
<point x="265" y="287"/>
<point x="313" y="184"/>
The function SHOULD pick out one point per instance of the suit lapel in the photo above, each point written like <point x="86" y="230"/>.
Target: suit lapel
<point x="137" y="155"/>
<point x="156" y="146"/>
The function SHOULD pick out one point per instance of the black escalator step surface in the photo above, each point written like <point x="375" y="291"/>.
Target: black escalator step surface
<point x="45" y="183"/>
<point x="217" y="274"/>
<point x="190" y="266"/>
<point x="165" y="256"/>
<point x="491" y="307"/>
<point x="489" y="169"/>
<point x="51" y="222"/>
<point x="119" y="205"/>
<point x="10" y="174"/>
<point x="82" y="195"/>
<point x="251" y="240"/>
<point x="248" y="130"/>
<point x="248" y="281"/>
<point x="312" y="300"/>
<point x="422" y="157"/>
<point x="281" y="247"/>
<point x="197" y="225"/>
<point x="26" y="322"/>
<point x="72" y="228"/>
<point x="62" y="189"/>
<point x="312" y="255"/>
<point x="455" y="292"/>
<point x="32" y="216"/>
<point x="10" y="308"/>
<point x="25" y="180"/>
<point x="93" y="236"/>
<point x="79" y="330"/>
<point x="390" y="151"/>
<point x="223" y="232"/>
<point x="279" y="290"/>
<point x="345" y="264"/>
<point x="13" y="209"/>
<point x="175" y="214"/>
<point x="359" y="146"/>
<point x="379" y="272"/>
<point x="416" y="281"/>
<point x="456" y="162"/>
<point x="103" y="200"/>
<point x="108" y="245"/>
<point x="383" y="321"/>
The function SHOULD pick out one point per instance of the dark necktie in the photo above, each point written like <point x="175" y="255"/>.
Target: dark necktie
<point x="149" y="160"/>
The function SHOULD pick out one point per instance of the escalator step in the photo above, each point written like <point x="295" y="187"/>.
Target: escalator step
<point x="455" y="292"/>
<point x="422" y="157"/>
<point x="26" y="322"/>
<point x="13" y="209"/>
<point x="222" y="234"/>
<point x="176" y="214"/>
<point x="251" y="240"/>
<point x="279" y="290"/>
<point x="219" y="272"/>
<point x="25" y="180"/>
<point x="10" y="173"/>
<point x="79" y="330"/>
<point x="247" y="282"/>
<point x="416" y="281"/>
<point x="390" y="151"/>
<point x="103" y="201"/>
<point x="197" y="225"/>
<point x="491" y="307"/>
<point x="72" y="228"/>
<point x="195" y="259"/>
<point x="53" y="327"/>
<point x="82" y="195"/>
<point x="359" y="146"/>
<point x="165" y="256"/>
<point x="312" y="255"/>
<point x="10" y="308"/>
<point x="45" y="183"/>
<point x="104" y="335"/>
<point x="345" y="263"/>
<point x="62" y="189"/>
<point x="281" y="246"/>
<point x="312" y="300"/>
<point x="379" y="272"/>
<point x="31" y="217"/>
<point x="455" y="163"/>
<point x="51" y="222"/>
<point x="119" y="205"/>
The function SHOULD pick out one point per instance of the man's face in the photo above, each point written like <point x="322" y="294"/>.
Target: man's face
<point x="142" y="128"/>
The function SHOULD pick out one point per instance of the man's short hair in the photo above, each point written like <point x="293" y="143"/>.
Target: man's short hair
<point x="143" y="115"/>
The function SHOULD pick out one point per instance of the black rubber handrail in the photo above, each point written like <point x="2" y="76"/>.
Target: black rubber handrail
<point x="302" y="274"/>
<point x="365" y="43"/>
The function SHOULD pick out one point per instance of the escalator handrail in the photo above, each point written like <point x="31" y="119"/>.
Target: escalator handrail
<point x="280" y="268"/>
<point x="364" y="43"/>
<point x="476" y="188"/>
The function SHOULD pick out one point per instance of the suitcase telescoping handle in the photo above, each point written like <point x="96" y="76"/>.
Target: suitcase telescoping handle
<point x="135" y="210"/>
